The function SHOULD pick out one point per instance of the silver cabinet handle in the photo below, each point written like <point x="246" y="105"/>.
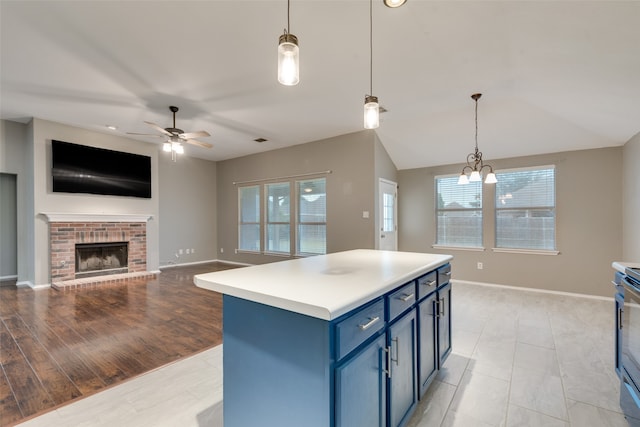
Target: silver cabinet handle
<point x="441" y="307"/>
<point x="448" y="273"/>
<point x="620" y="318"/>
<point x="431" y="283"/>
<point x="396" y="340"/>
<point x="406" y="297"/>
<point x="370" y="323"/>
<point x="388" y="370"/>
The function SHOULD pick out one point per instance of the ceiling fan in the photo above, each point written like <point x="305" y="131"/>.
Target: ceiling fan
<point x="175" y="135"/>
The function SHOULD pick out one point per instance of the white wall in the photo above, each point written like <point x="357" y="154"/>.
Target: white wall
<point x="631" y="200"/>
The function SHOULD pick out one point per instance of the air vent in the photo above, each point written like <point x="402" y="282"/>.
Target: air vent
<point x="260" y="140"/>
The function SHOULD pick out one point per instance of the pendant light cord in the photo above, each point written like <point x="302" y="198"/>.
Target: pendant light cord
<point x="288" y="9"/>
<point x="371" y="47"/>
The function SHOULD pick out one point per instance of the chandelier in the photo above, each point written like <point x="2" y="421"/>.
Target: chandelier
<point x="475" y="165"/>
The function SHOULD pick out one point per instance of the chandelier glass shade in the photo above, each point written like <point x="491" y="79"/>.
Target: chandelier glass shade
<point x="475" y="164"/>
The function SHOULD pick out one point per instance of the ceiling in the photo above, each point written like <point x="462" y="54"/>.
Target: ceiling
<point x="555" y="75"/>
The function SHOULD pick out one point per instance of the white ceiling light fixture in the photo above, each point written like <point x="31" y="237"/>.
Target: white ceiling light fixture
<point x="474" y="160"/>
<point x="394" y="3"/>
<point x="371" y="106"/>
<point x="288" y="57"/>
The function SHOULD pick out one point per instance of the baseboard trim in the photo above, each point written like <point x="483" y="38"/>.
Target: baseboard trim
<point x="186" y="264"/>
<point x="10" y="277"/>
<point x="543" y="291"/>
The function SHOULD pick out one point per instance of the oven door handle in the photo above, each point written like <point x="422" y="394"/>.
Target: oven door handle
<point x="628" y="286"/>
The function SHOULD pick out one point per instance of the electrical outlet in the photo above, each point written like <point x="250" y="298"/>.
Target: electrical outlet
<point x="188" y="251"/>
<point x="180" y="251"/>
<point x="480" y="266"/>
<point x="193" y="251"/>
<point x="221" y="250"/>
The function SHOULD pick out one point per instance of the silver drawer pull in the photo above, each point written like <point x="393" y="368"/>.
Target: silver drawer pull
<point x="406" y="297"/>
<point x="369" y="323"/>
<point x="447" y="273"/>
<point x="431" y="283"/>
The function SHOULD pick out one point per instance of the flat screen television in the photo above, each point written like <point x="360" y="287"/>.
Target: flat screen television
<point x="81" y="169"/>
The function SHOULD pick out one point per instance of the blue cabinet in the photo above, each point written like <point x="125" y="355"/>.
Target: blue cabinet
<point x="361" y="388"/>
<point x="365" y="368"/>
<point x="403" y="394"/>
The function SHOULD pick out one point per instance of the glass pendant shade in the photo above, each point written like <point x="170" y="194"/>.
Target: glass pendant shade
<point x="463" y="179"/>
<point x="288" y="60"/>
<point x="177" y="147"/>
<point x="166" y="147"/>
<point x="394" y="3"/>
<point x="491" y="178"/>
<point x="475" y="177"/>
<point x="371" y="112"/>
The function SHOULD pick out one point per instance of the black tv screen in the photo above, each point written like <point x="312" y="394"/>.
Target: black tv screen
<point x="81" y="169"/>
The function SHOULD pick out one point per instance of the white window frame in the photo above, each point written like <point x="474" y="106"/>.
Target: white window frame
<point x="553" y="208"/>
<point x="294" y="220"/>
<point x="445" y="244"/>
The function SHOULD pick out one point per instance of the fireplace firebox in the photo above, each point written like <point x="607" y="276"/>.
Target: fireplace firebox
<point x="97" y="259"/>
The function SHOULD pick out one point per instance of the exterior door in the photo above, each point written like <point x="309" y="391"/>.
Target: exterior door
<point x="388" y="209"/>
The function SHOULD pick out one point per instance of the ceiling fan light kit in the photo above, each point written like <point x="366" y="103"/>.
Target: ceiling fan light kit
<point x="175" y="137"/>
<point x="394" y="3"/>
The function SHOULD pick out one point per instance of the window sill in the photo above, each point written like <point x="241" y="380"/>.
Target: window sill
<point x="526" y="251"/>
<point x="459" y="248"/>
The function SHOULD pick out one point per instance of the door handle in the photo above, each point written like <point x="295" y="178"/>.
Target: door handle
<point x="365" y="326"/>
<point x="382" y="236"/>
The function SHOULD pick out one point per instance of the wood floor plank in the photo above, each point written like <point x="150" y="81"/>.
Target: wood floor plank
<point x="58" y="385"/>
<point x="70" y="344"/>
<point x="10" y="411"/>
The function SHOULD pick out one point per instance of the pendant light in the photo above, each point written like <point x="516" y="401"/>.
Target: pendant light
<point x="394" y="3"/>
<point x="474" y="160"/>
<point x="288" y="57"/>
<point x="371" y="106"/>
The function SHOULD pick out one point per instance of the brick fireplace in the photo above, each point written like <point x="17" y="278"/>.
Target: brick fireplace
<point x="67" y="231"/>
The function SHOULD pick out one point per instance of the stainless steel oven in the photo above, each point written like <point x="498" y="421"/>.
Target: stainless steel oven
<point x="630" y="347"/>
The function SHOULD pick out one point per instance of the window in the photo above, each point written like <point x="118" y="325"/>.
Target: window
<point x="299" y="228"/>
<point x="525" y="209"/>
<point x="249" y="218"/>
<point x="458" y="213"/>
<point x="278" y="228"/>
<point x="312" y="216"/>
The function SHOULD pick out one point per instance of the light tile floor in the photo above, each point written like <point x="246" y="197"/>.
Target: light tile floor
<point x="519" y="358"/>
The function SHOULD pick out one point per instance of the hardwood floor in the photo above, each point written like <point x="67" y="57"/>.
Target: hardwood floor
<point x="59" y="346"/>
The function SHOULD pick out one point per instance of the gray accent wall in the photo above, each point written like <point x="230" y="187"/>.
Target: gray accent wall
<point x="188" y="210"/>
<point x="356" y="161"/>
<point x="588" y="229"/>
<point x="631" y="200"/>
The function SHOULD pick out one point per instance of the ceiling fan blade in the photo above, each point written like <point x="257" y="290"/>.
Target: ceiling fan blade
<point x="198" y="143"/>
<point x="145" y="134"/>
<point x="189" y="135"/>
<point x="158" y="128"/>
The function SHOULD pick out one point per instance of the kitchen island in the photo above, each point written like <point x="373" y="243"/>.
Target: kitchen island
<point x="345" y="339"/>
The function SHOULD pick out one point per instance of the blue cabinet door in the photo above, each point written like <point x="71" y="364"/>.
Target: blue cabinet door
<point x="361" y="385"/>
<point x="444" y="322"/>
<point x="403" y="393"/>
<point x="427" y="350"/>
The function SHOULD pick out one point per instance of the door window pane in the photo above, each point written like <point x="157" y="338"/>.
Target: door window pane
<point x="312" y="216"/>
<point x="278" y="230"/>
<point x="249" y="218"/>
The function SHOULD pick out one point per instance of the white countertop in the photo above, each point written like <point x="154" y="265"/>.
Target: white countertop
<point x="620" y="265"/>
<point x="323" y="286"/>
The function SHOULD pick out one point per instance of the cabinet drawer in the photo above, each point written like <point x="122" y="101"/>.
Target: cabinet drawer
<point x="355" y="329"/>
<point x="444" y="274"/>
<point x="401" y="299"/>
<point x="427" y="284"/>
